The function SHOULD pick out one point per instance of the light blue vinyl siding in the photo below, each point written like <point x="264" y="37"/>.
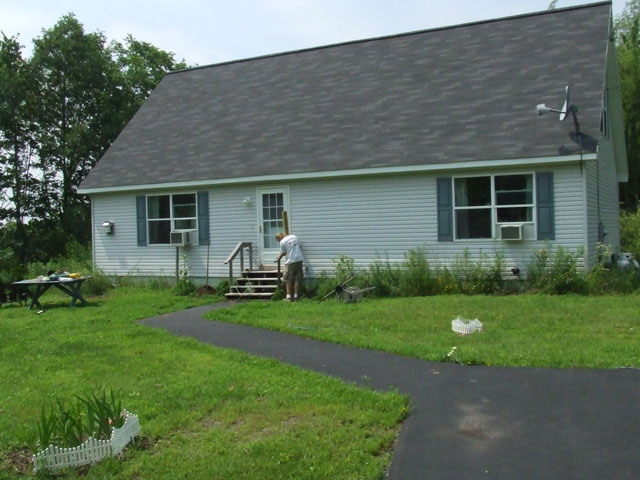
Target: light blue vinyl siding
<point x="365" y="218"/>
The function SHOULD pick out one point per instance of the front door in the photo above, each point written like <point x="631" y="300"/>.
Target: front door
<point x="271" y="203"/>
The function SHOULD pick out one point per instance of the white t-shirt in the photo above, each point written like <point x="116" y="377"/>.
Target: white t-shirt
<point x="291" y="247"/>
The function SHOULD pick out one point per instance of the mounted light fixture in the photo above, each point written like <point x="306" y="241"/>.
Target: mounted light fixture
<point x="108" y="228"/>
<point x="247" y="201"/>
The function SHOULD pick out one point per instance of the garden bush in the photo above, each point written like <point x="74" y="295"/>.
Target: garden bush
<point x="415" y="277"/>
<point x="481" y="277"/>
<point x="98" y="284"/>
<point x="606" y="276"/>
<point x="384" y="277"/>
<point x="556" y="272"/>
<point x="630" y="233"/>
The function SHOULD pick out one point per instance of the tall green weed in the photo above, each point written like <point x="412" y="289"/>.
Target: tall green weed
<point x="384" y="277"/>
<point x="415" y="277"/>
<point x="481" y="277"/>
<point x="556" y="271"/>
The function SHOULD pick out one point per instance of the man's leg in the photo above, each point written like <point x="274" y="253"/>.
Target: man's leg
<point x="289" y="289"/>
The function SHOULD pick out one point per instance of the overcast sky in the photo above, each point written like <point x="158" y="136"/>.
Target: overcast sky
<point x="205" y="32"/>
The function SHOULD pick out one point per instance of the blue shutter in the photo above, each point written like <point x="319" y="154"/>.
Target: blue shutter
<point x="141" y="220"/>
<point x="445" y="210"/>
<point x="203" y="218"/>
<point x="544" y="200"/>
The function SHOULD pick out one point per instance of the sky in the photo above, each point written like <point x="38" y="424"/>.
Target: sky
<point x="208" y="32"/>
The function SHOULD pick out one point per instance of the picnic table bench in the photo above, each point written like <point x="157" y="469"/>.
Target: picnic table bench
<point x="70" y="286"/>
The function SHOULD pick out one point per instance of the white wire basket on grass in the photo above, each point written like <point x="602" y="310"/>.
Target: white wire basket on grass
<point x="91" y="451"/>
<point x="463" y="326"/>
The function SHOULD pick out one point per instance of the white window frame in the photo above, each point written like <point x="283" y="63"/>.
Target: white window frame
<point x="495" y="225"/>
<point x="171" y="217"/>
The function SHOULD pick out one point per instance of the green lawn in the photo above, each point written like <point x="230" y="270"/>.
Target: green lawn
<point x="523" y="330"/>
<point x="206" y="413"/>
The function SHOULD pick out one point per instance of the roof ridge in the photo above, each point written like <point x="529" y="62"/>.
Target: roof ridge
<point x="396" y="35"/>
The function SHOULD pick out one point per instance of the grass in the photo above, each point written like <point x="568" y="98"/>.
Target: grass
<point x="523" y="330"/>
<point x="206" y="413"/>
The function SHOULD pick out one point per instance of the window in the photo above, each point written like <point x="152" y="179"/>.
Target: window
<point x="170" y="213"/>
<point x="514" y="198"/>
<point x="482" y="201"/>
<point x="473" y="207"/>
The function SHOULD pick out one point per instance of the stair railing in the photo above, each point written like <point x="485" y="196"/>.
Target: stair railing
<point x="279" y="271"/>
<point x="239" y="249"/>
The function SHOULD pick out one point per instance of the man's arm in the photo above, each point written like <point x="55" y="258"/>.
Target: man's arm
<point x="279" y="257"/>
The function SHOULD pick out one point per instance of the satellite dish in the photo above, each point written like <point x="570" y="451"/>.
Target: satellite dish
<point x="566" y="106"/>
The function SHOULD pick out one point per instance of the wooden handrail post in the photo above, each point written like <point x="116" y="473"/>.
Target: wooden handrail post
<point x="239" y="249"/>
<point x="279" y="260"/>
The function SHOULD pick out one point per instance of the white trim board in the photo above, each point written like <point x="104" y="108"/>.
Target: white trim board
<point x="347" y="173"/>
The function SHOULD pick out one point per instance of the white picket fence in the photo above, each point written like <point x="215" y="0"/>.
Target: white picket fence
<point x="91" y="450"/>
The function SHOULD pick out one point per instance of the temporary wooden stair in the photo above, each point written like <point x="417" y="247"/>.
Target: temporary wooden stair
<point x="254" y="285"/>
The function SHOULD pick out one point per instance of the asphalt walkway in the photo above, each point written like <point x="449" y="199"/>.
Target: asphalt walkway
<point x="469" y="422"/>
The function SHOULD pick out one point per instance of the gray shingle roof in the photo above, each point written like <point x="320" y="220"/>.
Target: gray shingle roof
<point x="455" y="94"/>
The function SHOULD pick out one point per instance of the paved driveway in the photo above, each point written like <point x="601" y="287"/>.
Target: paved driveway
<point x="470" y="422"/>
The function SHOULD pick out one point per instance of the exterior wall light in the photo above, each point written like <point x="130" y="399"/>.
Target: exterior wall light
<point x="108" y="228"/>
<point x="247" y="201"/>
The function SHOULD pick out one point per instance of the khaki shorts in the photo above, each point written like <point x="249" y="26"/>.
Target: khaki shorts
<point x="293" y="272"/>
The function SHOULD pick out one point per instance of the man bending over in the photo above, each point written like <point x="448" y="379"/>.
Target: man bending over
<point x="290" y="247"/>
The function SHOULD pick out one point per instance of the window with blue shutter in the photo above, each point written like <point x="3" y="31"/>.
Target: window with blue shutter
<point x="203" y="218"/>
<point x="445" y="210"/>
<point x="544" y="204"/>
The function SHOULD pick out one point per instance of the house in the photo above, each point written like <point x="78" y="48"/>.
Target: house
<point x="425" y="139"/>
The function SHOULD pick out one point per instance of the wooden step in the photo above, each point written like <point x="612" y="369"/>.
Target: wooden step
<point x="248" y="296"/>
<point x="244" y="288"/>
<point x="257" y="281"/>
<point x="261" y="274"/>
<point x="254" y="285"/>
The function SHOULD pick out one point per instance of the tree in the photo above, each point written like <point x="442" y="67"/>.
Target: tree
<point x="59" y="111"/>
<point x="16" y="142"/>
<point x="74" y="78"/>
<point x="142" y="66"/>
<point x="628" y="49"/>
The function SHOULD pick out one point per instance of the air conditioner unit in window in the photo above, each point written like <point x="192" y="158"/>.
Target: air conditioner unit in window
<point x="180" y="239"/>
<point x="511" y="232"/>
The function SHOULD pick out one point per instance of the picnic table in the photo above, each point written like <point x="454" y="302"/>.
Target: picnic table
<point x="70" y="286"/>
